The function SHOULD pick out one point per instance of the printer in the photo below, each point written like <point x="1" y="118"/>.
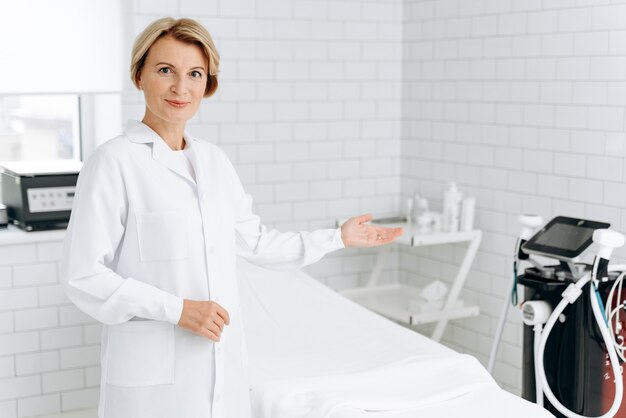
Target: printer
<point x="39" y="194"/>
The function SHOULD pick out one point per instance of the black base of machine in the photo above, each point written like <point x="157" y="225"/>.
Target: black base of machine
<point x="575" y="359"/>
<point x="40" y="226"/>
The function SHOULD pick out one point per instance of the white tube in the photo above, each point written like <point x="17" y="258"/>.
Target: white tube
<point x="614" y="312"/>
<point x="540" y="370"/>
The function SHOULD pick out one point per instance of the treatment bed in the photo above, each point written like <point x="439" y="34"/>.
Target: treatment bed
<point x="315" y="354"/>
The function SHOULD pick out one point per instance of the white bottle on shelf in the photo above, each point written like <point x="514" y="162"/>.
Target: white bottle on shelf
<point x="409" y="210"/>
<point x="468" y="206"/>
<point x="415" y="214"/>
<point x="452" y="198"/>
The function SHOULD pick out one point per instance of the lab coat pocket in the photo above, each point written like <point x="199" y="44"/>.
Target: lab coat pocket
<point x="162" y="235"/>
<point x="141" y="353"/>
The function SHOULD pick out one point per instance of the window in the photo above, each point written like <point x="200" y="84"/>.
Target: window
<point x="39" y="127"/>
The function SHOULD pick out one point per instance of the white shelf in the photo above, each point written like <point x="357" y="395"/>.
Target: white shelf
<point x="415" y="237"/>
<point x="398" y="302"/>
<point x="395" y="301"/>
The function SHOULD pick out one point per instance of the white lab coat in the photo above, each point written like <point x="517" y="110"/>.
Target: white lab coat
<point x="142" y="237"/>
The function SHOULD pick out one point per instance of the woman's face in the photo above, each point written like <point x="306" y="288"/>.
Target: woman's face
<point x="173" y="80"/>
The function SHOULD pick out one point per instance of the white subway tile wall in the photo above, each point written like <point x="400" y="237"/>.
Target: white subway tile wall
<point x="48" y="352"/>
<point x="522" y="103"/>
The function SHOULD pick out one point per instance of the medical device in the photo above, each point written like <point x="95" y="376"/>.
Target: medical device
<point x="572" y="344"/>
<point x="39" y="194"/>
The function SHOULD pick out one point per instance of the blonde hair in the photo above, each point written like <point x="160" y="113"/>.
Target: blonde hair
<point x="185" y="30"/>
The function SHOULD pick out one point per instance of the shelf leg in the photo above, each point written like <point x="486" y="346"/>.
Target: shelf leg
<point x="459" y="280"/>
<point x="381" y="260"/>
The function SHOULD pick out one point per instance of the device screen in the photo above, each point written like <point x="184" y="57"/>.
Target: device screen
<point x="563" y="238"/>
<point x="569" y="237"/>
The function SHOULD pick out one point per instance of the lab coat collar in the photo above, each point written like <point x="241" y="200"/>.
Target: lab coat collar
<point x="139" y="132"/>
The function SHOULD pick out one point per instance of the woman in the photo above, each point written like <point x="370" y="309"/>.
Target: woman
<point x="158" y="220"/>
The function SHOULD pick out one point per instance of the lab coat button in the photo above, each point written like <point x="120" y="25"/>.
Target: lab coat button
<point x="211" y="249"/>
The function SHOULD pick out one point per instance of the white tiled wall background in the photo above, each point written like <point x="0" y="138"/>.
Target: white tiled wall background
<point x="49" y="350"/>
<point x="334" y="108"/>
<point x="522" y="103"/>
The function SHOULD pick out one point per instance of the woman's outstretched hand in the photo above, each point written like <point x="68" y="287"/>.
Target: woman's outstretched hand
<point x="356" y="233"/>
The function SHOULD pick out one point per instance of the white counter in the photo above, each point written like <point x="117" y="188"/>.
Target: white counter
<point x="14" y="235"/>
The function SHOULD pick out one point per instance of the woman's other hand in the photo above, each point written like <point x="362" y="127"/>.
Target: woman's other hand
<point x="204" y="318"/>
<point x="356" y="233"/>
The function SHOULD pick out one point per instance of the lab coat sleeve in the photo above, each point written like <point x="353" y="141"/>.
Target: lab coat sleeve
<point x="94" y="233"/>
<point x="274" y="249"/>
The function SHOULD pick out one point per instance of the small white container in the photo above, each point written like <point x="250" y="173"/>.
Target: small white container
<point x="425" y="222"/>
<point x="421" y="206"/>
<point x="409" y="210"/>
<point x="467" y="214"/>
<point x="415" y="211"/>
<point x="437" y="221"/>
<point x="452" y="198"/>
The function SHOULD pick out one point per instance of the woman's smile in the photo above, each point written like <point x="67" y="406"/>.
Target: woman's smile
<point x="176" y="103"/>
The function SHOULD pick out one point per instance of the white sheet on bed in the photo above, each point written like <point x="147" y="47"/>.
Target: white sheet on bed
<point x="315" y="354"/>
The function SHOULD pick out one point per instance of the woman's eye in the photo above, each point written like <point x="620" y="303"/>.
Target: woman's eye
<point x="165" y="70"/>
<point x="196" y="74"/>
